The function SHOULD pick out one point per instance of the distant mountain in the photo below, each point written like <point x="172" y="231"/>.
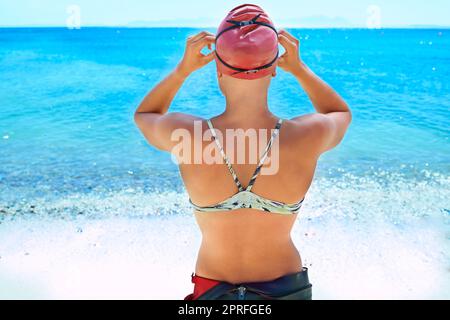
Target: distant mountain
<point x="306" y="22"/>
<point x="194" y="23"/>
<point x="316" y="22"/>
<point x="302" y="22"/>
<point x="427" y="26"/>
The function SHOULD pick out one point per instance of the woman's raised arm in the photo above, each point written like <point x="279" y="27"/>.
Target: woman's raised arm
<point x="150" y="116"/>
<point x="334" y="115"/>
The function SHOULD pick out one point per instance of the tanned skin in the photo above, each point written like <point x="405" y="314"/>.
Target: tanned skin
<point x="247" y="245"/>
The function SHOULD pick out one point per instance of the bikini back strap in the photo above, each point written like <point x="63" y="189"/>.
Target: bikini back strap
<point x="224" y="156"/>
<point x="265" y="154"/>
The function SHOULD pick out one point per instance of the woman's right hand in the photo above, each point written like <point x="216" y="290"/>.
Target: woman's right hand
<point x="193" y="58"/>
<point x="290" y="61"/>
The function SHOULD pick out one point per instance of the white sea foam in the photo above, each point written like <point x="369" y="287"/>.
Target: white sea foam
<point x="361" y="238"/>
<point x="148" y="258"/>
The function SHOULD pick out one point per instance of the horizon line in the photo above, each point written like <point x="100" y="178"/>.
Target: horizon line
<point x="215" y="27"/>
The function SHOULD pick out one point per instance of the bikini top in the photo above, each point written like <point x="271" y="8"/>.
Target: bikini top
<point x="245" y="198"/>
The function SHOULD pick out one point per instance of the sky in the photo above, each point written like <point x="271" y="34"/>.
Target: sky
<point x="294" y="13"/>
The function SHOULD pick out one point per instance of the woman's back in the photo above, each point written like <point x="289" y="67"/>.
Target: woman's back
<point x="246" y="244"/>
<point x="246" y="211"/>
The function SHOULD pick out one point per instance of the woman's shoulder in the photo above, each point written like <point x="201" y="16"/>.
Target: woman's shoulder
<point x="179" y="120"/>
<point x="306" y="131"/>
<point x="306" y="124"/>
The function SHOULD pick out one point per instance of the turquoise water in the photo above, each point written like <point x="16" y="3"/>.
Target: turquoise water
<point x="69" y="147"/>
<point x="67" y="99"/>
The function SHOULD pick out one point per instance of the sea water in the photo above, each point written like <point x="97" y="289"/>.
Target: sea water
<point x="89" y="210"/>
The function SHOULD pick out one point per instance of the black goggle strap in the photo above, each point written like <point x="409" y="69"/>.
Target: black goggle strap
<point x="238" y="24"/>
<point x="239" y="70"/>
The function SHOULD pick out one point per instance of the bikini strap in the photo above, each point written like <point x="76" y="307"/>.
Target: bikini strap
<point x="265" y="154"/>
<point x="224" y="156"/>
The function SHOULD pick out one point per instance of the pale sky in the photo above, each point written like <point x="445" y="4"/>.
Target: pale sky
<point x="332" y="13"/>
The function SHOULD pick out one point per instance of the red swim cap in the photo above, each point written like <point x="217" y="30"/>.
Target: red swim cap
<point x="247" y="43"/>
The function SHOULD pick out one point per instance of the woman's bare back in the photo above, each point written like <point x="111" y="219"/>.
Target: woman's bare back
<point x="248" y="245"/>
<point x="245" y="245"/>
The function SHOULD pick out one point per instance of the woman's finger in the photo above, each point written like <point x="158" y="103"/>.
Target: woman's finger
<point x="289" y="36"/>
<point x="283" y="56"/>
<point x="197" y="36"/>
<point x="200" y="35"/>
<point x="209" y="57"/>
<point x="208" y="36"/>
<point x="286" y="43"/>
<point x="207" y="40"/>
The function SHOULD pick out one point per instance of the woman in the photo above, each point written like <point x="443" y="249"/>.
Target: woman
<point x="246" y="216"/>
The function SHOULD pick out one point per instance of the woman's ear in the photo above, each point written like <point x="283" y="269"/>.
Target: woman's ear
<point x="274" y="74"/>
<point x="219" y="74"/>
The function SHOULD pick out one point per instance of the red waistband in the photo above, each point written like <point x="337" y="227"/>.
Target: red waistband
<point x="201" y="285"/>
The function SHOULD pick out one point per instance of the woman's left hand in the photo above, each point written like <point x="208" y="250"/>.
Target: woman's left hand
<point x="193" y="58"/>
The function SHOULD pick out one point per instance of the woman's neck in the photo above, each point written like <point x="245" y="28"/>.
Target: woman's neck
<point x="246" y="101"/>
<point x="246" y="106"/>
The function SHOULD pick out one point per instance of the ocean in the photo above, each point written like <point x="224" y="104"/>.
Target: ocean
<point x="89" y="210"/>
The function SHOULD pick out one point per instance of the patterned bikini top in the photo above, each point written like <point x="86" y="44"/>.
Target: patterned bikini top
<point x="245" y="198"/>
